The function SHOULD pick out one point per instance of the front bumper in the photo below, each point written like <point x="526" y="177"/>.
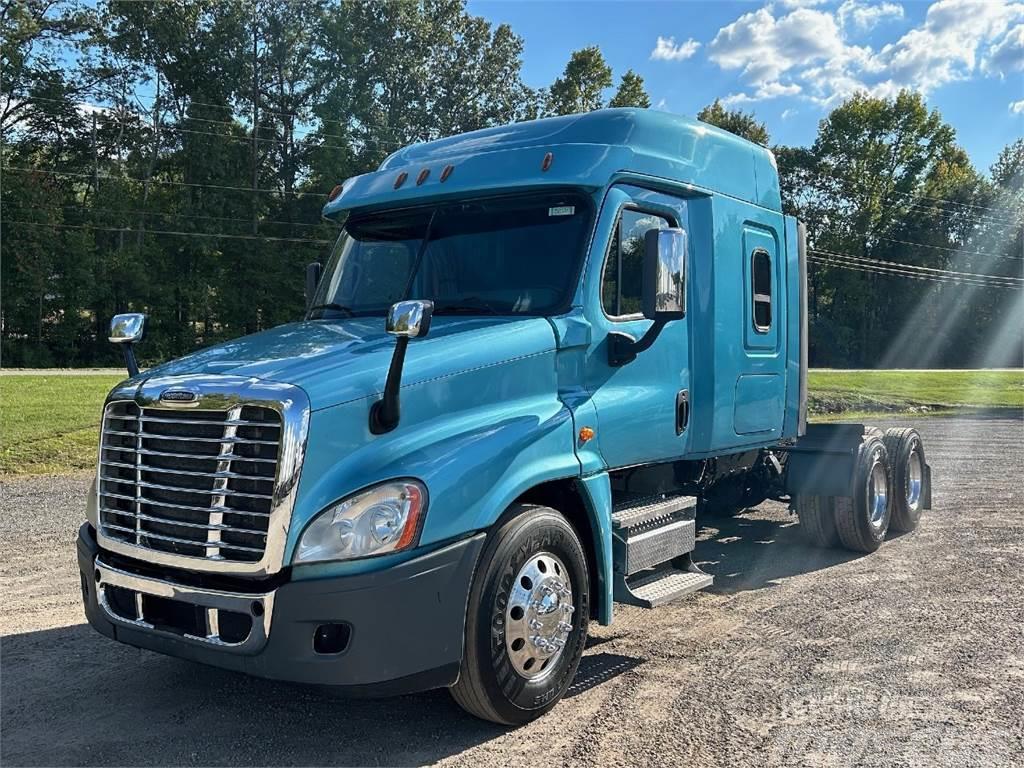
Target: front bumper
<point x="403" y="626"/>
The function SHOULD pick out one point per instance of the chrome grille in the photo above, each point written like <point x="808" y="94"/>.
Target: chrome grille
<point x="190" y="483"/>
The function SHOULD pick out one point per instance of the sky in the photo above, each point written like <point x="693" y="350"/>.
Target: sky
<point x="791" y="61"/>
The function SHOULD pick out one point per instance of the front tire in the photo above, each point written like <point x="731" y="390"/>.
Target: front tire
<point x="526" y="622"/>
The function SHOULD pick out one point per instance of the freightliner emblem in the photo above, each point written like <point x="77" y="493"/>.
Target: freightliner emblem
<point x="178" y="396"/>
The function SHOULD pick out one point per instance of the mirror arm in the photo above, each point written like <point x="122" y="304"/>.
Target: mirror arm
<point x="385" y="413"/>
<point x="623" y="348"/>
<point x="129" y="360"/>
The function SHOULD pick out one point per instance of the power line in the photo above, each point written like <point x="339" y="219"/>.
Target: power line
<point x="901" y="265"/>
<point x="860" y="266"/>
<point x="894" y="273"/>
<point x="213" y="235"/>
<point x="159" y="181"/>
<point x="137" y="212"/>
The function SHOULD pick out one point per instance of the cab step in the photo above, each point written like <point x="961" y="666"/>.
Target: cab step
<point x="652" y="538"/>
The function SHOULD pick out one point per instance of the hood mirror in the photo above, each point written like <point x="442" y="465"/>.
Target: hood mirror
<point x="410" y="319"/>
<point x="125" y="330"/>
<point x="406" y="320"/>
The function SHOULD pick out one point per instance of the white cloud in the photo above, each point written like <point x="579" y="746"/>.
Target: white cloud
<point x="763" y="92"/>
<point x="944" y="48"/>
<point x="1007" y="55"/>
<point x="1017" y="107"/>
<point x="662" y="105"/>
<point x="802" y="3"/>
<point x="807" y="51"/>
<point x="667" y="50"/>
<point x="864" y="16"/>
<point x="788" y="113"/>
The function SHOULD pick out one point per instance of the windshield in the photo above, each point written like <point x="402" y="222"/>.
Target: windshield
<point x="501" y="256"/>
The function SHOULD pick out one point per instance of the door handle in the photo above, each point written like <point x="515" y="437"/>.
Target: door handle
<point x="682" y="410"/>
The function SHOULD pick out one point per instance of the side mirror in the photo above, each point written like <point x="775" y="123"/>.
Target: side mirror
<point x="410" y="319"/>
<point x="664" y="274"/>
<point x="406" y="320"/>
<point x="312" y="280"/>
<point x="125" y="330"/>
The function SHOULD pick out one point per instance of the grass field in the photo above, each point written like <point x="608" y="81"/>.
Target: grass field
<point x="49" y="422"/>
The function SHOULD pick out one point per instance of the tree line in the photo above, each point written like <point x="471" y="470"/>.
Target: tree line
<point x="173" y="158"/>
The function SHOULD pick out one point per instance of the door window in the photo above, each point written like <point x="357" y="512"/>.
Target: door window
<point x="622" y="284"/>
<point x="761" y="290"/>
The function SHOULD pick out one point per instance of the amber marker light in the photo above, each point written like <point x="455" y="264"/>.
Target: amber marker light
<point x="586" y="434"/>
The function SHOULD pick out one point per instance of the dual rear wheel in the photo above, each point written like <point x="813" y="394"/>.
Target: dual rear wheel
<point x="888" y="491"/>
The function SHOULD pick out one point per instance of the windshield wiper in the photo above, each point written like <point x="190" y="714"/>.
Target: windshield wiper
<point x="470" y="305"/>
<point x="335" y="307"/>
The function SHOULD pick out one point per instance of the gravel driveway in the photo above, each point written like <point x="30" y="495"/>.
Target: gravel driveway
<point x="911" y="656"/>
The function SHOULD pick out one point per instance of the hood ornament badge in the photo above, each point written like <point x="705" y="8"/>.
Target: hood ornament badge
<point x="179" y="397"/>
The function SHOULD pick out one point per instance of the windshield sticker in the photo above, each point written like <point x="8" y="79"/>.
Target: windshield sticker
<point x="562" y="210"/>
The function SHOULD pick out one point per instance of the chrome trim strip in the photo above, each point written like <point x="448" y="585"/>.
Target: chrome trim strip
<point x="209" y="599"/>
<point x="221" y="392"/>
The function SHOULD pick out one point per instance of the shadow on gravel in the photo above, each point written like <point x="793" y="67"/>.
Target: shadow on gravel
<point x="72" y="697"/>
<point x="747" y="552"/>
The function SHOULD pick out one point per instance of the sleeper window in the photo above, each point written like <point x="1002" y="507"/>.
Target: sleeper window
<point x="622" y="285"/>
<point x="761" y="289"/>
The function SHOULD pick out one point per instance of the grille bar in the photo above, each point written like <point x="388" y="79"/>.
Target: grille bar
<point x="212" y="496"/>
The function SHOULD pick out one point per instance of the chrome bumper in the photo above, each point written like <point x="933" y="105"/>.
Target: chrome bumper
<point x="259" y="607"/>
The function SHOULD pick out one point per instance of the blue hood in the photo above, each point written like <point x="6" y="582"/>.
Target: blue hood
<point x="343" y="360"/>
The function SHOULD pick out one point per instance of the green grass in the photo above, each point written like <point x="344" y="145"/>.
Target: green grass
<point x="845" y="394"/>
<point x="49" y="423"/>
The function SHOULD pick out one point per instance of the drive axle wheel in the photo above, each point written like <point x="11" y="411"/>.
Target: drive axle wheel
<point x="863" y="519"/>
<point x="906" y="455"/>
<point x="526" y="622"/>
<point x="817" y="520"/>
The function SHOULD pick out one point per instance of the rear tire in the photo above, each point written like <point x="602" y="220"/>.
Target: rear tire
<point x="817" y="520"/>
<point x="906" y="456"/>
<point x="863" y="519"/>
<point x="518" y="594"/>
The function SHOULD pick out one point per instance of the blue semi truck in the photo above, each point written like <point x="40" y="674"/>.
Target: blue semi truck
<point x="535" y="358"/>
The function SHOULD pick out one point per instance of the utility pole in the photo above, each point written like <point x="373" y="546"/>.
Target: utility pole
<point x="95" y="159"/>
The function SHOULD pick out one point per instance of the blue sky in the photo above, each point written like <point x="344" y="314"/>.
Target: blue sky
<point x="790" y="61"/>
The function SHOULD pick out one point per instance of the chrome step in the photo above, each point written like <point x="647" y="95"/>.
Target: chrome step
<point x="650" y="531"/>
<point x="660" y="586"/>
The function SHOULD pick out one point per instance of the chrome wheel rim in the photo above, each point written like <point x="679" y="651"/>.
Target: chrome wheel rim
<point x="538" y="618"/>
<point x="878" y="493"/>
<point x="915" y="473"/>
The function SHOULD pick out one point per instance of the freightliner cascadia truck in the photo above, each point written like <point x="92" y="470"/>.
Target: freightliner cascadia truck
<point x="535" y="358"/>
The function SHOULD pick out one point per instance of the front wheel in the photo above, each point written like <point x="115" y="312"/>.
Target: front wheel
<point x="526" y="623"/>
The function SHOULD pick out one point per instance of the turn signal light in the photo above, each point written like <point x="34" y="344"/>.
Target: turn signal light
<point x="586" y="434"/>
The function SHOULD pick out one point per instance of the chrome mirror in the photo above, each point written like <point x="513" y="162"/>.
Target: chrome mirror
<point x="410" y="319"/>
<point x="127" y="328"/>
<point x="664" y="274"/>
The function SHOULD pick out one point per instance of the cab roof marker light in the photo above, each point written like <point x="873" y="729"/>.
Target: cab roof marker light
<point x="446" y="173"/>
<point x="335" y="193"/>
<point x="401" y="179"/>
<point x="546" y="163"/>
<point x="423" y="176"/>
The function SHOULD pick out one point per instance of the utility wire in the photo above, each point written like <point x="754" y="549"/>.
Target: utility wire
<point x="159" y="181"/>
<point x="208" y="235"/>
<point x="901" y="265"/>
<point x="174" y="215"/>
<point x="893" y="273"/>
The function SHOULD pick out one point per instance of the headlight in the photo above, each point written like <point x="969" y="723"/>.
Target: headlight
<point x="382" y="519"/>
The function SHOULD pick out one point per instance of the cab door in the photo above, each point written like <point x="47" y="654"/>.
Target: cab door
<point x="642" y="406"/>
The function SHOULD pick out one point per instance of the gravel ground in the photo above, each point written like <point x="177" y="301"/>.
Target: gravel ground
<point x="911" y="656"/>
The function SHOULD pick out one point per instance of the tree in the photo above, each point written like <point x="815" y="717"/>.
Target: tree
<point x="736" y="121"/>
<point x="631" y="92"/>
<point x="582" y="84"/>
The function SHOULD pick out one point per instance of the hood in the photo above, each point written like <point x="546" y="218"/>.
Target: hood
<point x="342" y="360"/>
